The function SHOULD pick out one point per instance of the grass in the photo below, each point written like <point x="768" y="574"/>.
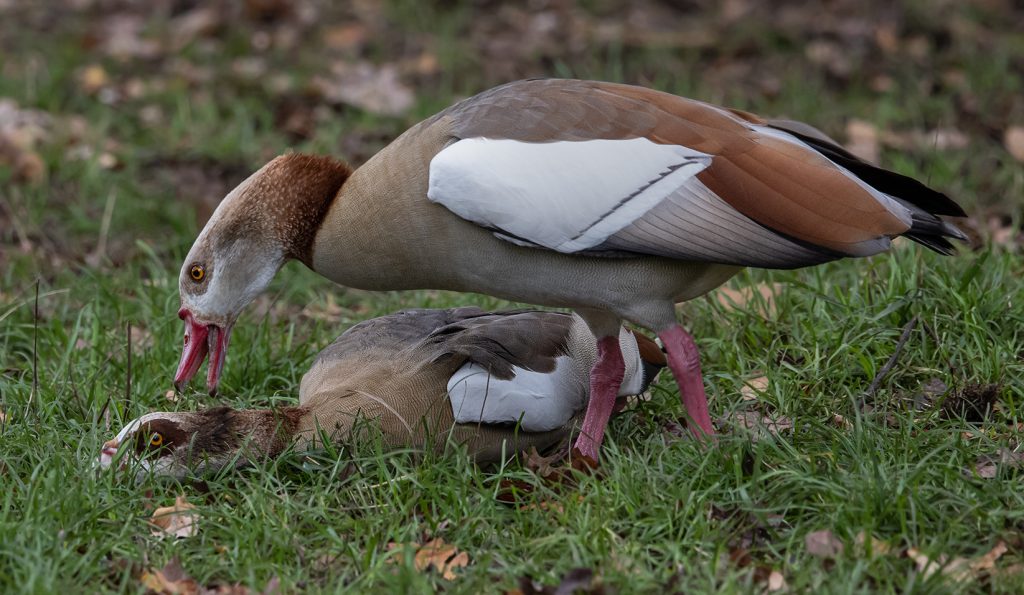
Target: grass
<point x="663" y="510"/>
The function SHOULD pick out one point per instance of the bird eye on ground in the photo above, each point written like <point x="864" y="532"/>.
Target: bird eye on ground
<point x="197" y="273"/>
<point x="156" y="440"/>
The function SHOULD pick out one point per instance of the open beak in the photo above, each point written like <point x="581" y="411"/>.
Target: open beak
<point x="200" y="340"/>
<point x="107" y="453"/>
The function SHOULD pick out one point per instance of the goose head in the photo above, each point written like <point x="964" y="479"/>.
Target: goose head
<point x="167" y="443"/>
<point x="270" y="218"/>
<point x="174" y="444"/>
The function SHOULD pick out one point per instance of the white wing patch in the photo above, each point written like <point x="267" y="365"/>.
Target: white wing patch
<point x="568" y="195"/>
<point x="537" y="401"/>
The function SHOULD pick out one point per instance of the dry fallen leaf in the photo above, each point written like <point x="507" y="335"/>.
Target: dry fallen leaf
<point x="1013" y="139"/>
<point x="760" y="425"/>
<point x="957" y="569"/>
<point x="987" y="466"/>
<point x="988" y="561"/>
<point x="169" y="580"/>
<point x="92" y="78"/>
<point x="753" y="387"/>
<point x="878" y="547"/>
<point x="179" y="520"/>
<point x="544" y="467"/>
<point x="3" y="417"/>
<point x="761" y="298"/>
<point x="171" y="395"/>
<point x="776" y="582"/>
<point x="823" y="544"/>
<point x="441" y="556"/>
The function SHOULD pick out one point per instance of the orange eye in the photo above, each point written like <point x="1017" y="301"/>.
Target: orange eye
<point x="197" y="272"/>
<point x="156" y="440"/>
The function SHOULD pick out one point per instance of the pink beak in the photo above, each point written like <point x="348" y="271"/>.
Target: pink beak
<point x="201" y="339"/>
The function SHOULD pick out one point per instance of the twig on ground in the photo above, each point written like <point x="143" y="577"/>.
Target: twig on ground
<point x="100" y="252"/>
<point x="35" y="355"/>
<point x="128" y="374"/>
<point x="877" y="381"/>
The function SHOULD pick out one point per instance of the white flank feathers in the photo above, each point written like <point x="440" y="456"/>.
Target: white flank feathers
<point x="538" y="401"/>
<point x="566" y="196"/>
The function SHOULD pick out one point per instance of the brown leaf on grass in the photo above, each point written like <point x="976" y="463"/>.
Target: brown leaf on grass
<point x="987" y="562"/>
<point x="173" y="580"/>
<point x="957" y="569"/>
<point x="1013" y="140"/>
<point x="376" y="89"/>
<point x="179" y="520"/>
<point x="775" y="582"/>
<point x="761" y="425"/>
<point x="987" y="466"/>
<point x="21" y="133"/>
<point x="862" y="140"/>
<point x="754" y="387"/>
<point x="92" y="78"/>
<point x="760" y="298"/>
<point x="871" y="546"/>
<point x="169" y="580"/>
<point x="823" y="544"/>
<point x="441" y="556"/>
<point x="545" y="467"/>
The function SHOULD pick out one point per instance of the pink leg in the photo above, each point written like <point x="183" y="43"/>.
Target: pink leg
<point x="605" y="381"/>
<point x="684" y="361"/>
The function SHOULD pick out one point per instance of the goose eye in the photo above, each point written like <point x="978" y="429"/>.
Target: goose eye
<point x="197" y="273"/>
<point x="156" y="440"/>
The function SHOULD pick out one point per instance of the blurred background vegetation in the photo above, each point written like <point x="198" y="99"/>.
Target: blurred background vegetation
<point x="161" y="106"/>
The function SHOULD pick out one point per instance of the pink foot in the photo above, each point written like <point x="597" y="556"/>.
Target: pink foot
<point x="605" y="380"/>
<point x="684" y="361"/>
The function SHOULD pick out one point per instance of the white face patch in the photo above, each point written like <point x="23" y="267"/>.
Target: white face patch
<point x="568" y="195"/>
<point x="110" y="448"/>
<point x="236" y="277"/>
<point x="237" y="272"/>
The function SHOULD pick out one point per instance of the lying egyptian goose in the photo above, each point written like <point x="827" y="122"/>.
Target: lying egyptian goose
<point x="496" y="382"/>
<point x="613" y="200"/>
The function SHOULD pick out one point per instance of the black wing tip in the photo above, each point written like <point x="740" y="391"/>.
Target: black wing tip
<point x="934" y="243"/>
<point x="884" y="180"/>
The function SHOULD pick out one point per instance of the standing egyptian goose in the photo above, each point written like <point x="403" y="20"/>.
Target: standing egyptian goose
<point x="496" y="382"/>
<point x="613" y="200"/>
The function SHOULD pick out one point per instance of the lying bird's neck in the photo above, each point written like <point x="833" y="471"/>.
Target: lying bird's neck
<point x="247" y="434"/>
